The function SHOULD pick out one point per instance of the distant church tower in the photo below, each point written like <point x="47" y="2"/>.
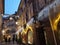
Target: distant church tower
<point x="1" y="6"/>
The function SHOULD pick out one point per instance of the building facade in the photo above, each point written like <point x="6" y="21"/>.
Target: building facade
<point x="9" y="26"/>
<point x="1" y="6"/>
<point x="29" y="9"/>
<point x="1" y="14"/>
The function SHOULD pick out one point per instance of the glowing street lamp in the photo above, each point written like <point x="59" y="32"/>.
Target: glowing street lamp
<point x="3" y="32"/>
<point x="17" y="23"/>
<point x="11" y="18"/>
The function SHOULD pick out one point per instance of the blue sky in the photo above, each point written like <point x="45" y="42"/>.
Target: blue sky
<point x="11" y="6"/>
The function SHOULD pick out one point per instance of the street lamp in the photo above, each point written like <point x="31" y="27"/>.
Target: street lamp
<point x="3" y="32"/>
<point x="11" y="18"/>
<point x="16" y="23"/>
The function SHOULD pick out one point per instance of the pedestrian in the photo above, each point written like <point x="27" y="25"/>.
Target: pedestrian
<point x="9" y="40"/>
<point x="13" y="39"/>
<point x="6" y="39"/>
<point x="16" y="38"/>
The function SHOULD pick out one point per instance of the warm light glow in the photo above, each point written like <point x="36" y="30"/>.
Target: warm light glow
<point x="3" y="32"/>
<point x="56" y="22"/>
<point x="11" y="18"/>
<point x="25" y="30"/>
<point x="23" y="40"/>
<point x="30" y="37"/>
<point x="29" y="27"/>
<point x="9" y="36"/>
<point x="17" y="23"/>
<point x="30" y="34"/>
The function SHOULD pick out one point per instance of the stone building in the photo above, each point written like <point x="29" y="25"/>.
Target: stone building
<point x="29" y="9"/>
<point x="1" y="14"/>
<point x="1" y="6"/>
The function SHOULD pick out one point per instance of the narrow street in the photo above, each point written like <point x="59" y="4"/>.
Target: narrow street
<point x="29" y="22"/>
<point x="11" y="43"/>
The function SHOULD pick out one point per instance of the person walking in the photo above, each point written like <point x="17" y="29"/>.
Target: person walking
<point x="13" y="39"/>
<point x="6" y="39"/>
<point x="9" y="40"/>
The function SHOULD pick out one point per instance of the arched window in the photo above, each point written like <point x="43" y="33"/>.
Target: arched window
<point x="30" y="37"/>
